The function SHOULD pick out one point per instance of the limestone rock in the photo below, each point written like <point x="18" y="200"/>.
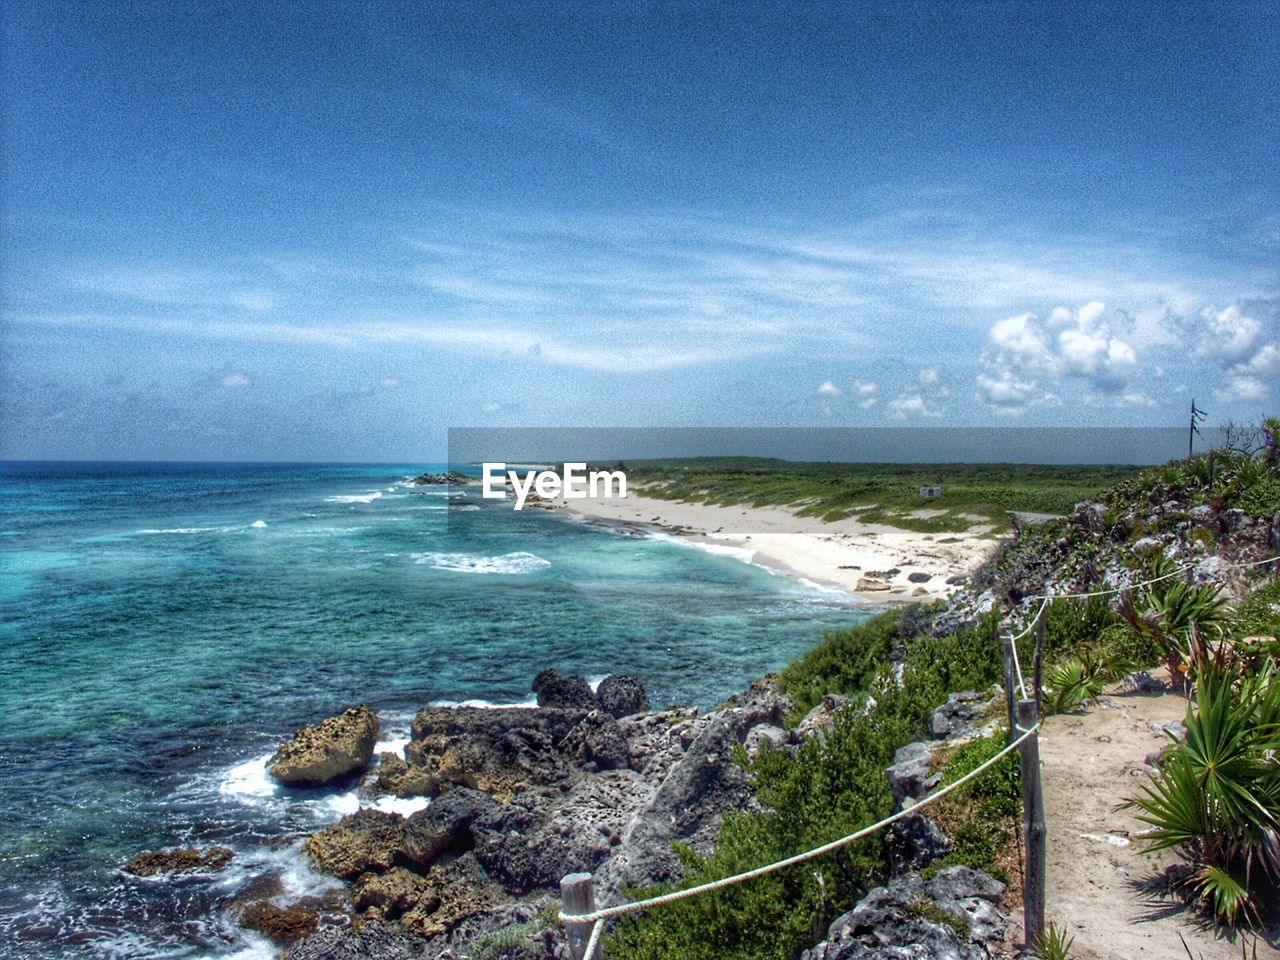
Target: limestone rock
<point x="282" y="925"/>
<point x="155" y="862"/>
<point x="904" y="921"/>
<point x="372" y="941"/>
<point x="622" y="695"/>
<point x="366" y="841"/>
<point x="914" y="842"/>
<point x="958" y="717"/>
<point x="395" y="777"/>
<point x="500" y="752"/>
<point x="910" y="775"/>
<point x="563" y="693"/>
<point x="597" y="743"/>
<point x="328" y="751"/>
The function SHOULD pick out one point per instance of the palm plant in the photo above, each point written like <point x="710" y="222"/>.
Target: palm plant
<point x="1179" y="616"/>
<point x="1217" y="797"/>
<point x="1075" y="681"/>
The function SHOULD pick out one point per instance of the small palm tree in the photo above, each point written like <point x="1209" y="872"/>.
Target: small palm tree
<point x="1179" y="616"/>
<point x="1217" y="797"/>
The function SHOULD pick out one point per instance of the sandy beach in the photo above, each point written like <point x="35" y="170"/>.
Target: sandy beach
<point x="871" y="561"/>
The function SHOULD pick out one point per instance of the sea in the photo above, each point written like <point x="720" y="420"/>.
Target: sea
<point x="164" y="626"/>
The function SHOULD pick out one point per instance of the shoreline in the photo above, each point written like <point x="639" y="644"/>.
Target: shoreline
<point x="870" y="562"/>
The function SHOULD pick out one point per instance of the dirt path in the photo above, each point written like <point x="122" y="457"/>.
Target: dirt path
<point x="1091" y="762"/>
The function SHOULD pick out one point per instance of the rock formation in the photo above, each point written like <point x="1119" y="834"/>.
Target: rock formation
<point x="329" y="751"/>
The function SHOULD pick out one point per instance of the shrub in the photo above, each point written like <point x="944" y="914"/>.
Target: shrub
<point x="825" y="789"/>
<point x="1263" y="498"/>
<point x="982" y="817"/>
<point x="1217" y="796"/>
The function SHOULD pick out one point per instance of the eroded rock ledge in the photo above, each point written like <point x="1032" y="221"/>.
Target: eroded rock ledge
<point x="522" y="796"/>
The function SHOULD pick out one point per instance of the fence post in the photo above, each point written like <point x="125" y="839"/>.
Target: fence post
<point x="1006" y="642"/>
<point x="1033" y="828"/>
<point x="576" y="898"/>
<point x="1038" y="660"/>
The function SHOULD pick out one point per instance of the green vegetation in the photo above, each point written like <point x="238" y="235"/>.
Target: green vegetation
<point x="982" y="818"/>
<point x="935" y="914"/>
<point x="880" y="493"/>
<point x="1057" y="944"/>
<point x="826" y="789"/>
<point x="1216" y="798"/>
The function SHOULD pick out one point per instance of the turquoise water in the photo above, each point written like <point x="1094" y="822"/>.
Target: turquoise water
<point x="163" y="626"/>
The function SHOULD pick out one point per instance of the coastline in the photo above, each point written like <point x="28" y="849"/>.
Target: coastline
<point x="871" y="562"/>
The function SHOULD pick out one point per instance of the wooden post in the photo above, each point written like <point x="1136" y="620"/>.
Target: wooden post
<point x="1033" y="828"/>
<point x="1006" y="642"/>
<point x="1037" y="667"/>
<point x="576" y="898"/>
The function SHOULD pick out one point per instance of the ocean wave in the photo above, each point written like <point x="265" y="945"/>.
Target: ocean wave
<point x="354" y="497"/>
<point x="486" y="704"/>
<point x="186" y="530"/>
<point x="519" y="562"/>
<point x="745" y="554"/>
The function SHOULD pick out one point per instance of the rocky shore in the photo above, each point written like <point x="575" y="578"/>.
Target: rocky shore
<point x="588" y="780"/>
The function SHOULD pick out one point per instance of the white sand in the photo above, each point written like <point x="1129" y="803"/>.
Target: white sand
<point x="844" y="554"/>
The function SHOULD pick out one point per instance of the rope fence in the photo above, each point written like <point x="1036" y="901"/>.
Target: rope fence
<point x="597" y="917"/>
<point x="585" y="923"/>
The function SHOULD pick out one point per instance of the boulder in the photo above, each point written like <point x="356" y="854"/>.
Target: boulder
<point x="621" y="695"/>
<point x="500" y="752"/>
<point x="1234" y="520"/>
<point x="367" y="841"/>
<point x="919" y="576"/>
<point x="563" y="693"/>
<point x="871" y="585"/>
<point x="331" y="750"/>
<point x="765" y="736"/>
<point x="385" y="896"/>
<point x="953" y="916"/>
<point x="155" y="862"/>
<point x="281" y="925"/>
<point x="450" y="893"/>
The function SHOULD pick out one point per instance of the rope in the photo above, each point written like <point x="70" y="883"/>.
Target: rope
<point x="606" y="912"/>
<point x="597" y="917"/>
<point x="1144" y="583"/>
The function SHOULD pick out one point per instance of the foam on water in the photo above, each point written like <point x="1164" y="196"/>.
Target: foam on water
<point x="355" y="497"/>
<point x="745" y="554"/>
<point x="519" y="562"/>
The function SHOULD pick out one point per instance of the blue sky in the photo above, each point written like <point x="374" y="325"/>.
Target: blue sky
<point x="307" y="231"/>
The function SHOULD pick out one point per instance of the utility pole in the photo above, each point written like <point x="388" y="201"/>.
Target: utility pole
<point x="1197" y="417"/>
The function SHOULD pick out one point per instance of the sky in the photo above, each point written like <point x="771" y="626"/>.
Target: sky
<point x="277" y="231"/>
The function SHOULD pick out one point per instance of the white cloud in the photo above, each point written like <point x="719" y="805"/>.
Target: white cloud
<point x="913" y="405"/>
<point x="236" y="379"/>
<point x="1244" y="348"/>
<point x="829" y="389"/>
<point x="1228" y="334"/>
<point x="1027" y="357"/>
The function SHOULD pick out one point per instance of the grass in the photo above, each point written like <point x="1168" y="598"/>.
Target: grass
<point x="877" y="492"/>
